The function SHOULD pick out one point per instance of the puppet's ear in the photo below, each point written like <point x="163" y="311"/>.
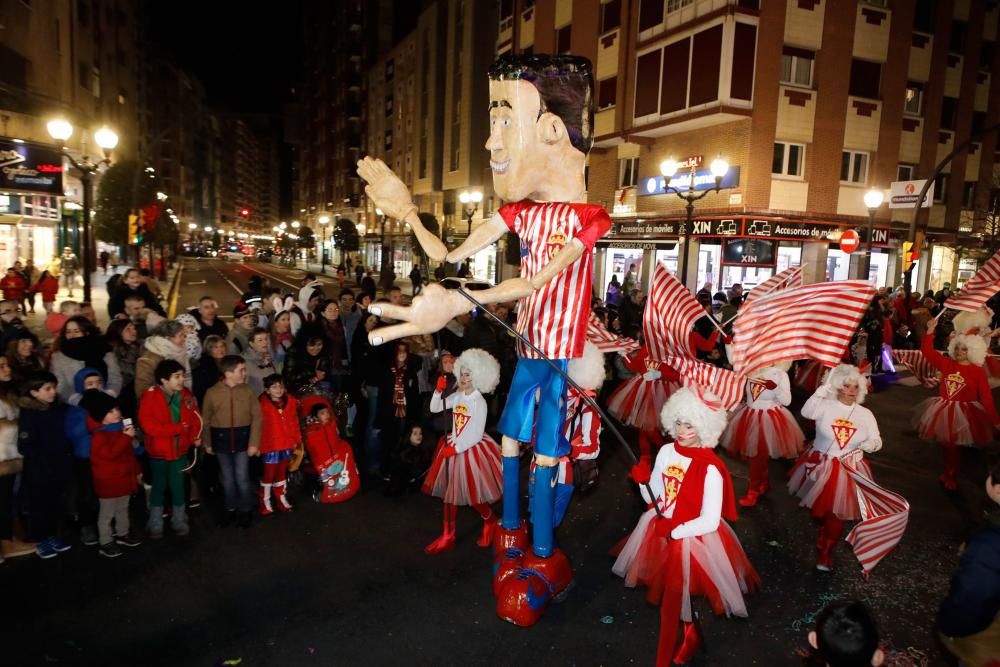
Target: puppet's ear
<point x="289" y="303"/>
<point x="551" y="128"/>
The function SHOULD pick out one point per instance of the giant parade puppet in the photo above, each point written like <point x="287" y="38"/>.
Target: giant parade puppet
<point x="541" y="130"/>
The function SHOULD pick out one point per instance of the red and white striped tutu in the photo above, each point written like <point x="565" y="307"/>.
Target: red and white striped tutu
<point x="954" y="422"/>
<point x="472" y="477"/>
<point x="714" y="566"/>
<point x="637" y="402"/>
<point x="820" y="483"/>
<point x="810" y="376"/>
<point x="774" y="428"/>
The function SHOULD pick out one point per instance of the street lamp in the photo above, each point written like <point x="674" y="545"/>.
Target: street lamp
<point x="668" y="168"/>
<point x="106" y="139"/>
<point x="324" y="220"/>
<point x="470" y="197"/>
<point x="873" y="199"/>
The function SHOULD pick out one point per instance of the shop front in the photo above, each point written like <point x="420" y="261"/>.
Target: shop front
<point x="745" y="250"/>
<point x="31" y="185"/>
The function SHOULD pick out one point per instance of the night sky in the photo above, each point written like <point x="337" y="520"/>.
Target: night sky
<point x="246" y="54"/>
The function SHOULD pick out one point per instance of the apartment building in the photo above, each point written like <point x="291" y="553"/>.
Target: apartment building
<point x="79" y="60"/>
<point x="811" y="102"/>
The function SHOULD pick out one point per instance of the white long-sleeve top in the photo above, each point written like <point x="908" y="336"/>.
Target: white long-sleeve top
<point x="666" y="481"/>
<point x="759" y="397"/>
<point x="841" y="429"/>
<point x="468" y="417"/>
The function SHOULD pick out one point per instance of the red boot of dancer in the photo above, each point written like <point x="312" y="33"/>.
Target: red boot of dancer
<point x="280" y="499"/>
<point x="690" y="644"/>
<point x="447" y="539"/>
<point x="524" y="598"/>
<point x="486" y="537"/>
<point x="952" y="462"/>
<point x="758" y="480"/>
<point x="264" y="495"/>
<point x="829" y="535"/>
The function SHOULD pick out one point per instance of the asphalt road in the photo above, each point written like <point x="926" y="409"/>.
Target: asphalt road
<point x="350" y="585"/>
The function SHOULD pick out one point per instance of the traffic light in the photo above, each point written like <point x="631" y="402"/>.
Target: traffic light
<point x="245" y="213"/>
<point x="134" y="229"/>
<point x="911" y="251"/>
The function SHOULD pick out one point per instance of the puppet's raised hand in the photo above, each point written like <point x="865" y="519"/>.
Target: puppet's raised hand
<point x="385" y="189"/>
<point x="433" y="308"/>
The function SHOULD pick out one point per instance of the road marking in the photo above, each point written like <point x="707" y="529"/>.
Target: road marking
<point x="172" y="308"/>
<point x="231" y="283"/>
<point x="271" y="275"/>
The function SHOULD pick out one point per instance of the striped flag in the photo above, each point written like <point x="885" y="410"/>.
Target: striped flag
<point x="605" y="341"/>
<point x="725" y="384"/>
<point x="979" y="288"/>
<point x="884" y="516"/>
<point x="790" y="277"/>
<point x="917" y="364"/>
<point x="671" y="311"/>
<point x="815" y="321"/>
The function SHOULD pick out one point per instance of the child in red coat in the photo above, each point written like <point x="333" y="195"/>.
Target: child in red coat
<point x="13" y="285"/>
<point x="114" y="467"/>
<point x="280" y="435"/>
<point x="48" y="285"/>
<point x="331" y="456"/>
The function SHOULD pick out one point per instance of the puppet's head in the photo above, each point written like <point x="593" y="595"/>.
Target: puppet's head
<point x="541" y="126"/>
<point x="483" y="369"/>
<point x="694" y="416"/>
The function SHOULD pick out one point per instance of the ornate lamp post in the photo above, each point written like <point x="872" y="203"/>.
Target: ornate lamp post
<point x="106" y="139"/>
<point x="470" y="197"/>
<point x="668" y="168"/>
<point x="873" y="199"/>
<point x="324" y="220"/>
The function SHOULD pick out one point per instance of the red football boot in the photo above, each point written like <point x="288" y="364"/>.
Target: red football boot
<point x="524" y="598"/>
<point x="506" y="538"/>
<point x="489" y="527"/>
<point x="690" y="644"/>
<point x="506" y="566"/>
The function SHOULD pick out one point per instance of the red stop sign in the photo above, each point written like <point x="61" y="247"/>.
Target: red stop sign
<point x="850" y="241"/>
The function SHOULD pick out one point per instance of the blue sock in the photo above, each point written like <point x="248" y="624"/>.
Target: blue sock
<point x="511" y="495"/>
<point x="542" y="509"/>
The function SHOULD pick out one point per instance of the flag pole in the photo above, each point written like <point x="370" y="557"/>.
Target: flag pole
<point x="938" y="316"/>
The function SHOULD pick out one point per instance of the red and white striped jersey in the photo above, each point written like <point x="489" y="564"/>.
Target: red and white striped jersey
<point x="583" y="428"/>
<point x="554" y="317"/>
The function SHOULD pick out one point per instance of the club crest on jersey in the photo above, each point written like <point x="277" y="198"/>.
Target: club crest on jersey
<point x="843" y="431"/>
<point x="459" y="418"/>
<point x="756" y="388"/>
<point x="651" y="365"/>
<point x="954" y="383"/>
<point x="555" y="243"/>
<point x="673" y="476"/>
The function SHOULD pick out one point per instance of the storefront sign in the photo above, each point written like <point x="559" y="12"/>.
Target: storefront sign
<point x="703" y="180"/>
<point x="779" y="230"/>
<point x="903" y="194"/>
<point x="30" y="168"/>
<point x="749" y="252"/>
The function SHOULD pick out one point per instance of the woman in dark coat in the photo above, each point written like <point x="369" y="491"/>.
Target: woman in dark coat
<point x="398" y="400"/>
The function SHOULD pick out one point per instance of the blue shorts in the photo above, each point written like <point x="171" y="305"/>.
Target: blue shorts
<point x="518" y="418"/>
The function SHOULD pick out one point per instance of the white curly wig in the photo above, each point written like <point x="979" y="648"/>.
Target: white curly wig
<point x="685" y="405"/>
<point x="974" y="345"/>
<point x="482" y="366"/>
<point x="977" y="321"/>
<point x="588" y="370"/>
<point x="845" y="373"/>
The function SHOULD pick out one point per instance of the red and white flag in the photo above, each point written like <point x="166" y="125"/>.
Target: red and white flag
<point x="815" y="321"/>
<point x="725" y="384"/>
<point x="917" y="363"/>
<point x="790" y="277"/>
<point x="979" y="288"/>
<point x="605" y="341"/>
<point x="884" y="516"/>
<point x="671" y="311"/>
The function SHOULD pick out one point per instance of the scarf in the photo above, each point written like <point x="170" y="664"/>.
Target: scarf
<point x="88" y="349"/>
<point x="163" y="347"/>
<point x="398" y="392"/>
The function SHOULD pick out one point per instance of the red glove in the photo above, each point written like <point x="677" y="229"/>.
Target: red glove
<point x="727" y="340"/>
<point x="771" y="384"/>
<point x="448" y="451"/>
<point x="641" y="472"/>
<point x="662" y="527"/>
<point x="442" y="384"/>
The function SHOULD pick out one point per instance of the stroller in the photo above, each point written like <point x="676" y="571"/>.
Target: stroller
<point x="330" y="457"/>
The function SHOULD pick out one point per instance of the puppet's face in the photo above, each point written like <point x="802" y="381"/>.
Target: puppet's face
<point x="515" y="145"/>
